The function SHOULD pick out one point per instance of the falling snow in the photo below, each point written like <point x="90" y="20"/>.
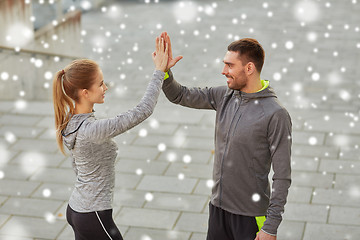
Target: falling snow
<point x="311" y="46"/>
<point x="256" y="197"/>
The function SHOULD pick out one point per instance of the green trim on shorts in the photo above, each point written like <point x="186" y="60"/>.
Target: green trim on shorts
<point x="260" y="222"/>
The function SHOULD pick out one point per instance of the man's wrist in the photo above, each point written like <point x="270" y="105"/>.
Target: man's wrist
<point x="268" y="233"/>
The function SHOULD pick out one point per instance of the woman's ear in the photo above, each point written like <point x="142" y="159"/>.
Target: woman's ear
<point x="84" y="93"/>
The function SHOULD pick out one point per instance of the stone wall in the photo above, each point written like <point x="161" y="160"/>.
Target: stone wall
<point x="29" y="59"/>
<point x="61" y="37"/>
<point x="28" y="75"/>
<point x="15" y="23"/>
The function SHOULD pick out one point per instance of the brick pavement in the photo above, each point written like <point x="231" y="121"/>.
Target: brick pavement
<point x="164" y="194"/>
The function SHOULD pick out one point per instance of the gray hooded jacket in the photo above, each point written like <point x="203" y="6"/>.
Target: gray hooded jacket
<point x="93" y="151"/>
<point x="252" y="132"/>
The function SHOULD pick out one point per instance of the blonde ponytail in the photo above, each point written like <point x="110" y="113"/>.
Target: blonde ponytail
<point x="63" y="107"/>
<point x="80" y="74"/>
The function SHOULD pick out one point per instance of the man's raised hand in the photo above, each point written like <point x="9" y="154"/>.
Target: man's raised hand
<point x="171" y="61"/>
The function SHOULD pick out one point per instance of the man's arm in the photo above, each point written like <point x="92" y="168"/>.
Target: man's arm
<point x="200" y="98"/>
<point x="279" y="137"/>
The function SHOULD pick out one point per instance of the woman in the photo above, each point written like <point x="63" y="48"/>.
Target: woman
<point x="75" y="91"/>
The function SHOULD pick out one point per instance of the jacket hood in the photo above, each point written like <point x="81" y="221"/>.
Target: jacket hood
<point x="267" y="92"/>
<point x="70" y="132"/>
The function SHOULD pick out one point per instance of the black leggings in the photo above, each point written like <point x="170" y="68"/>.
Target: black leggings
<point x="97" y="225"/>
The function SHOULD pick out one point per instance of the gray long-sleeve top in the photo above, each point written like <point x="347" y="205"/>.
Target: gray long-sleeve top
<point x="93" y="151"/>
<point x="252" y="131"/>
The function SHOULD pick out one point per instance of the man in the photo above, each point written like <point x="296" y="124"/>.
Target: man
<point x="252" y="131"/>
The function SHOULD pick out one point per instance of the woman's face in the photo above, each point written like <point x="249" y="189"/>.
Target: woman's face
<point x="97" y="91"/>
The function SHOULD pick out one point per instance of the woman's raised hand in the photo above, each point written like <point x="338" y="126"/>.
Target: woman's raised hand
<point x="161" y="54"/>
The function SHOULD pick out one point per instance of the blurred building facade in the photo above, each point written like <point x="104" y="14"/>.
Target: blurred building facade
<point x="36" y="39"/>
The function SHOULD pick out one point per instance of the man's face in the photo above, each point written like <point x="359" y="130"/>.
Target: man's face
<point x="234" y="71"/>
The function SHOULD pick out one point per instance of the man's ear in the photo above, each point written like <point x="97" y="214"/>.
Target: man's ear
<point x="250" y="68"/>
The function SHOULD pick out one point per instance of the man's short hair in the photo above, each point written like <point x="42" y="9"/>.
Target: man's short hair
<point x="249" y="50"/>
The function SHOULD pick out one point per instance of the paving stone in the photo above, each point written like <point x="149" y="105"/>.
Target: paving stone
<point x="347" y="153"/>
<point x="341" y="197"/>
<point x="304" y="164"/>
<point x="146" y="167"/>
<point x="192" y="170"/>
<point x="338" y="166"/>
<point x="6" y="155"/>
<point x="347" y="182"/>
<point x="17" y="172"/>
<point x="3" y="218"/>
<point x="198" y="236"/>
<point x="314" y="151"/>
<point x="154" y="141"/>
<point x="129" y="181"/>
<point x="175" y="114"/>
<point x="66" y="234"/>
<point x="19" y="120"/>
<point x="46" y="122"/>
<point x="306" y="212"/>
<point x="310" y="179"/>
<point x="342" y="140"/>
<point x="202" y="188"/>
<point x="29" y="207"/>
<point x="38" y="108"/>
<point x="21" y="132"/>
<point x="61" y="211"/>
<point x="290" y="230"/>
<point x="300" y="194"/>
<point x="66" y="163"/>
<point x="336" y="119"/>
<point x="136" y="152"/>
<point x="177" y="155"/>
<point x="193" y="222"/>
<point x="12" y="237"/>
<point x="128" y="198"/>
<point x="122" y="228"/>
<point x="196" y="131"/>
<point x="49" y="134"/>
<point x="305" y="137"/>
<point x="34" y="144"/>
<point x="344" y="215"/>
<point x="139" y="217"/>
<point x="53" y="191"/>
<point x="6" y="106"/>
<point x="35" y="159"/>
<point x="154" y="127"/>
<point x="126" y="138"/>
<point x="199" y="143"/>
<point x="3" y="199"/>
<point x="167" y="184"/>
<point x="330" y="231"/>
<point x="17" y="187"/>
<point x="54" y="175"/>
<point x="136" y="233"/>
<point x="179" y="202"/>
<point x="21" y="227"/>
